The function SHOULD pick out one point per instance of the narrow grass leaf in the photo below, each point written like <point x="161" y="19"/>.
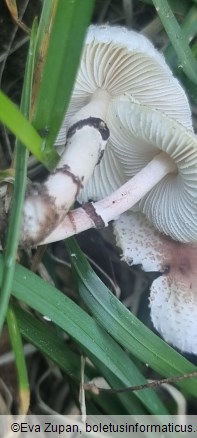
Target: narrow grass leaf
<point x="20" y="363"/>
<point x="179" y="7"/>
<point x="189" y="28"/>
<point x="18" y="124"/>
<point x="124" y="326"/>
<point x="46" y="339"/>
<point x="66" y="23"/>
<point x="132" y="404"/>
<point x="177" y="38"/>
<point x="49" y="301"/>
<point x="19" y="191"/>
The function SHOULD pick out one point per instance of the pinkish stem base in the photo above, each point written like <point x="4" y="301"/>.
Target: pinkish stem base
<point x="98" y="214"/>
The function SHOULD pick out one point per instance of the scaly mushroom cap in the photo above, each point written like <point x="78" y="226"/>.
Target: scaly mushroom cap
<point x="173" y="296"/>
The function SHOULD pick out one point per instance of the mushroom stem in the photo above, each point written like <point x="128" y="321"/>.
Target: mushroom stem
<point x="98" y="214"/>
<point x="86" y="140"/>
<point x="47" y="204"/>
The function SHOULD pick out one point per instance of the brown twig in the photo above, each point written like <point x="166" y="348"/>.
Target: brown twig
<point x="96" y="390"/>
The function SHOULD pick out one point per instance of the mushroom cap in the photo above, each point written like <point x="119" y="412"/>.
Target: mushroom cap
<point x="173" y="295"/>
<point x="171" y="206"/>
<point x="138" y="134"/>
<point x="137" y="79"/>
<point x="145" y="100"/>
<point x="123" y="61"/>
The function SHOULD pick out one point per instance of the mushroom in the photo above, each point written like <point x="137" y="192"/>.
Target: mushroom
<point x="162" y="156"/>
<point x="173" y="295"/>
<point x="117" y="66"/>
<point x="149" y="166"/>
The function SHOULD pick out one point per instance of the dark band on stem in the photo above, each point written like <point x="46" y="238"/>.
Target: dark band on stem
<point x="76" y="180"/>
<point x="92" y="122"/>
<point x="94" y="216"/>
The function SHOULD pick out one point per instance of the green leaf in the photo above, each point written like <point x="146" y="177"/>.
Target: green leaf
<point x="17" y="346"/>
<point x="124" y="326"/>
<point x="49" y="301"/>
<point x="178" y="6"/>
<point x="61" y="34"/>
<point x="17" y="123"/>
<point x="21" y="157"/>
<point x="177" y="38"/>
<point x="46" y="339"/>
<point x="189" y="28"/>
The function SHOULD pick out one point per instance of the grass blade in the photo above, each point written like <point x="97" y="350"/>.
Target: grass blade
<point x="45" y="338"/>
<point x="179" y="7"/>
<point x="17" y="346"/>
<point x="189" y="28"/>
<point x="67" y="21"/>
<point x="124" y="326"/>
<point x="49" y="301"/>
<point x="18" y="194"/>
<point x="177" y="38"/>
<point x="17" y="123"/>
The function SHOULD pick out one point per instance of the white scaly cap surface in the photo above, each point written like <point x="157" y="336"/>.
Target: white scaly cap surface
<point x="173" y="296"/>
